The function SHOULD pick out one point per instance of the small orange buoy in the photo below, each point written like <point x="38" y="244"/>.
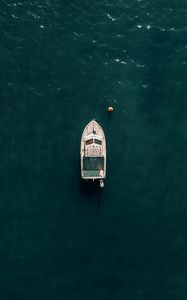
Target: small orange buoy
<point x="110" y="109"/>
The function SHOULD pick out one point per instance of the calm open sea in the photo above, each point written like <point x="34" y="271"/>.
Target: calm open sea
<point x="62" y="63"/>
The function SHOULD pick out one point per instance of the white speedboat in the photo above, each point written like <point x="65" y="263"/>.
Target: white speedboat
<point x="93" y="153"/>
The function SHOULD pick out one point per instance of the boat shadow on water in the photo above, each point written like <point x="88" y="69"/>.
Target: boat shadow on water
<point x="91" y="191"/>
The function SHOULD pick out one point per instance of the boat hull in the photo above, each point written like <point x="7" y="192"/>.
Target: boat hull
<point x="93" y="152"/>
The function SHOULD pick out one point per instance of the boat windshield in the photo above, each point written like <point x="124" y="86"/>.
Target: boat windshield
<point x="89" y="142"/>
<point x="98" y="142"/>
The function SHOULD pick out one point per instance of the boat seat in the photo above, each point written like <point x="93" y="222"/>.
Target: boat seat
<point x="91" y="173"/>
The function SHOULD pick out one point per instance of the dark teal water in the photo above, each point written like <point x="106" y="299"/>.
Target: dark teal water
<point x="62" y="64"/>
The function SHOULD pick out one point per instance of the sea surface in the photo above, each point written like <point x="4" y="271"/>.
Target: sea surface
<point x="62" y="63"/>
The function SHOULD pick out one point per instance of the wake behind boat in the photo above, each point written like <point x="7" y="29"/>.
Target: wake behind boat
<point x="93" y="153"/>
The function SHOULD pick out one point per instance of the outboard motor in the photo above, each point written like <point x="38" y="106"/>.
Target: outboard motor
<point x="101" y="183"/>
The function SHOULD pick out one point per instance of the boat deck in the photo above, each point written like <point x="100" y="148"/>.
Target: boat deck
<point x="93" y="163"/>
